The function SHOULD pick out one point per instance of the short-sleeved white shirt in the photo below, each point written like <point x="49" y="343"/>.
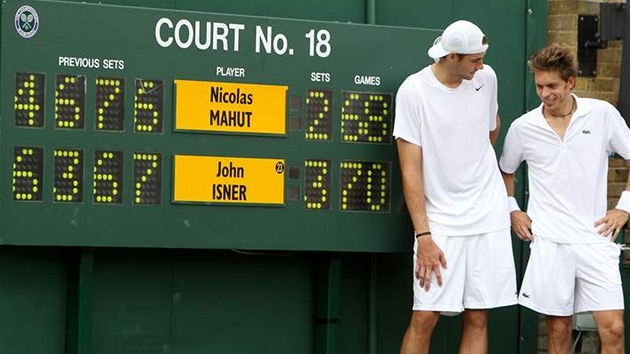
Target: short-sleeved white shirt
<point x="464" y="191"/>
<point x="567" y="178"/>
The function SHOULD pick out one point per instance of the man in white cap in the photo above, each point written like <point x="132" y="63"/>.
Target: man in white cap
<point x="446" y="125"/>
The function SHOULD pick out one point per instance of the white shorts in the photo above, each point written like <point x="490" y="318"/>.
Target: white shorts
<point x="480" y="274"/>
<point x="563" y="279"/>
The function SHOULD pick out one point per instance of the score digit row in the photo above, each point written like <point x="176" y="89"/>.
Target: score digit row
<point x="28" y="176"/>
<point x="366" y="117"/>
<point x="364" y="185"/>
<point x="69" y="106"/>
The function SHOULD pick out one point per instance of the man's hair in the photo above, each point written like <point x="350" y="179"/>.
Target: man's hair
<point x="554" y="59"/>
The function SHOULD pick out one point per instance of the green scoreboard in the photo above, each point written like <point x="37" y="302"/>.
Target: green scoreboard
<point x="130" y="127"/>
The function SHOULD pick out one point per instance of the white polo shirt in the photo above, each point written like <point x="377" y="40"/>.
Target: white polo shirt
<point x="464" y="191"/>
<point x="567" y="178"/>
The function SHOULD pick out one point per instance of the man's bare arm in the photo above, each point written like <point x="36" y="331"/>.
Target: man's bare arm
<point x="429" y="256"/>
<point x="521" y="223"/>
<point x="616" y="218"/>
<point x="494" y="134"/>
<point x="410" y="157"/>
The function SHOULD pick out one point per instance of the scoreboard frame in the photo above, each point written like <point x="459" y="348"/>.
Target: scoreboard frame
<point x="325" y="180"/>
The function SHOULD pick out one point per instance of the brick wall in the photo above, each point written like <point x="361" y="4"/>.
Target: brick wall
<point x="562" y="26"/>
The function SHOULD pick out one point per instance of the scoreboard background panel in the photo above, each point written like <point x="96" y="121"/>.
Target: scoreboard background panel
<point x="88" y="146"/>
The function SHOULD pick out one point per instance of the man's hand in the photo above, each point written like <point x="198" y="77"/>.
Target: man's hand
<point x="611" y="224"/>
<point x="429" y="259"/>
<point x="522" y="225"/>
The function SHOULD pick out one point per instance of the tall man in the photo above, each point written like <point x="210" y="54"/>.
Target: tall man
<point x="574" y="262"/>
<point x="446" y="123"/>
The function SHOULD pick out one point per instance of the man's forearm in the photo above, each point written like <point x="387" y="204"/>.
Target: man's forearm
<point x="416" y="204"/>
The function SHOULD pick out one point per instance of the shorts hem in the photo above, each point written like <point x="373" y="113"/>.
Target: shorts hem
<point x="612" y="307"/>
<point x="492" y="306"/>
<point x="544" y="311"/>
<point x="457" y="309"/>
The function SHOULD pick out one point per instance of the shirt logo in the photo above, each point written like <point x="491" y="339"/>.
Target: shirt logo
<point x="525" y="295"/>
<point x="478" y="88"/>
<point x="586" y="131"/>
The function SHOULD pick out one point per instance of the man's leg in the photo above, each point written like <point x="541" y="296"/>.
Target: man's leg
<point x="418" y="335"/>
<point x="560" y="329"/>
<point x="474" y="332"/>
<point x="610" y="328"/>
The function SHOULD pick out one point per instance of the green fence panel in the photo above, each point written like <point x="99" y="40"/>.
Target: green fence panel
<point x="32" y="300"/>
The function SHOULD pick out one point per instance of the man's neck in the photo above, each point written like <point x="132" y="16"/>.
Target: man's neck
<point x="441" y="72"/>
<point x="562" y="112"/>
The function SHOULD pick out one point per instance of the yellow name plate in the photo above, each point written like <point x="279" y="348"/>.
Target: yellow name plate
<point x="233" y="180"/>
<point x="230" y="107"/>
